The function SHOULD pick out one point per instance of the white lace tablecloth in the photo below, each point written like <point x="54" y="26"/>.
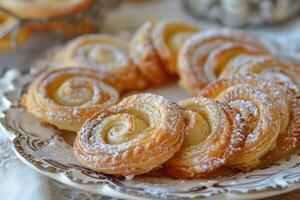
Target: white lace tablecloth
<point x="20" y="182"/>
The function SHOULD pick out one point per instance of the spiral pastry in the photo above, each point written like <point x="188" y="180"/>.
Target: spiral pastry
<point x="214" y="133"/>
<point x="139" y="134"/>
<point x="203" y="56"/>
<point x="280" y="94"/>
<point x="7" y="22"/>
<point x="274" y="69"/>
<point x="144" y="54"/>
<point x="66" y="97"/>
<point x="262" y="119"/>
<point x="289" y="142"/>
<point x="288" y="102"/>
<point x="168" y="37"/>
<point x="218" y="59"/>
<point x="45" y="8"/>
<point x="108" y="55"/>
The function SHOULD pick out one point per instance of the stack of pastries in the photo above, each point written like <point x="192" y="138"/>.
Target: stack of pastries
<point x="245" y="112"/>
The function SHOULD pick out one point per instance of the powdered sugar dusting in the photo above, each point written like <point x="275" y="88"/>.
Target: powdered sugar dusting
<point x="71" y="96"/>
<point x="156" y="127"/>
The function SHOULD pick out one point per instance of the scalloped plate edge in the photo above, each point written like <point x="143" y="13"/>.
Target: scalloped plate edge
<point x="105" y="189"/>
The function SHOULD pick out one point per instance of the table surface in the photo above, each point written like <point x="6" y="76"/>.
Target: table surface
<point x="128" y="17"/>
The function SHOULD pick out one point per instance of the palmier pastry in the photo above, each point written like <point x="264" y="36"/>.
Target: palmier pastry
<point x="7" y="22"/>
<point x="66" y="97"/>
<point x="290" y="141"/>
<point x="269" y="67"/>
<point x="203" y="56"/>
<point x="45" y="8"/>
<point x="279" y="93"/>
<point x="287" y="99"/>
<point x="168" y="37"/>
<point x="218" y="59"/>
<point x="144" y="54"/>
<point x="262" y="118"/>
<point x="155" y="46"/>
<point x="214" y="133"/>
<point x="140" y="133"/>
<point x="108" y="55"/>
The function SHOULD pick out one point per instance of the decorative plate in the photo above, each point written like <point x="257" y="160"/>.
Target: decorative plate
<point x="49" y="151"/>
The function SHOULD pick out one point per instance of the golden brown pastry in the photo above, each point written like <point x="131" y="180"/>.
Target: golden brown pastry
<point x="262" y="118"/>
<point x="155" y="46"/>
<point x="66" y="97"/>
<point x="168" y="37"/>
<point x="278" y="93"/>
<point x="139" y="134"/>
<point x="218" y="59"/>
<point x="145" y="56"/>
<point x="45" y="8"/>
<point x="108" y="55"/>
<point x="7" y="22"/>
<point x="270" y="67"/>
<point x="203" y="56"/>
<point x="288" y="101"/>
<point x="214" y="133"/>
<point x="288" y="142"/>
<point x="40" y="9"/>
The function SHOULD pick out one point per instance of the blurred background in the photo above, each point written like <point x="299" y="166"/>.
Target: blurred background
<point x="276" y="21"/>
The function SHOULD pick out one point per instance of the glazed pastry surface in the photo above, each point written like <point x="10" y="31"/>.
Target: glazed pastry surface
<point x="66" y="97"/>
<point x="140" y="133"/>
<point x="214" y="133"/>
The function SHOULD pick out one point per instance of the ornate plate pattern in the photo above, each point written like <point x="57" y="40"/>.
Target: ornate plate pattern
<point x="45" y="149"/>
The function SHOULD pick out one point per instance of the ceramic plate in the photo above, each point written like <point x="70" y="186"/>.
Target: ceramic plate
<point x="49" y="151"/>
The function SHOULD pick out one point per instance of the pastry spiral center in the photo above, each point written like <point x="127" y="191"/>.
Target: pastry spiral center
<point x="102" y="54"/>
<point x="74" y="92"/>
<point x="177" y="39"/>
<point x="197" y="129"/>
<point x="121" y="128"/>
